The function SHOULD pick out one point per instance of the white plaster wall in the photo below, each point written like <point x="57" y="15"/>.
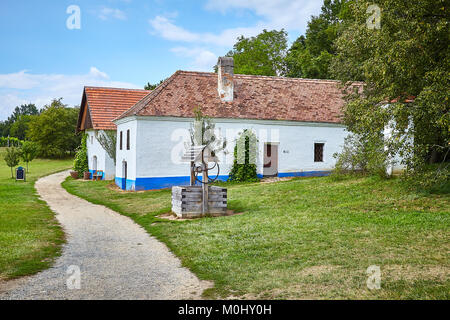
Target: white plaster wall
<point x="160" y="144"/>
<point x="126" y="155"/>
<point x="395" y="164"/>
<point x="104" y="161"/>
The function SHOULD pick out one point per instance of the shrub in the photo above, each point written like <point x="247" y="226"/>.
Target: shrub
<point x="80" y="163"/>
<point x="12" y="158"/>
<point x="434" y="178"/>
<point x="13" y="142"/>
<point x="30" y="151"/>
<point x="362" y="156"/>
<point x="244" y="163"/>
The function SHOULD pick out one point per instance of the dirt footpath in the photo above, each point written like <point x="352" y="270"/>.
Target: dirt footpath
<point x="107" y="256"/>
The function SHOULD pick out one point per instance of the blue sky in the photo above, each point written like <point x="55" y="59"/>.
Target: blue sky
<point x="124" y="43"/>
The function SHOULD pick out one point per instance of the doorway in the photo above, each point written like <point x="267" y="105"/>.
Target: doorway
<point x="124" y="175"/>
<point x="270" y="168"/>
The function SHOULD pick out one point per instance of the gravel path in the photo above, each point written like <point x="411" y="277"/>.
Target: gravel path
<point x="116" y="257"/>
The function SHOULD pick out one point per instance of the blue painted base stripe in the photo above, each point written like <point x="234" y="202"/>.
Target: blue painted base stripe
<point x="166" y="182"/>
<point x="153" y="183"/>
<point x="129" y="185"/>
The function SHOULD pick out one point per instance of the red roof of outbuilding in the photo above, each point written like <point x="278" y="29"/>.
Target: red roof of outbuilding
<point x="255" y="97"/>
<point x="99" y="106"/>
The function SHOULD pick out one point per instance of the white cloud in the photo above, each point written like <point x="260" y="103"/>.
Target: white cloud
<point x="202" y="59"/>
<point x="24" y="87"/>
<point x="108" y="13"/>
<point x="97" y="73"/>
<point x="17" y="80"/>
<point x="288" y="14"/>
<point x="169" y="31"/>
<point x="165" y="28"/>
<point x="291" y="15"/>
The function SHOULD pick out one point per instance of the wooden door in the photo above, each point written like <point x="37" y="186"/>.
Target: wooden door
<point x="270" y="168"/>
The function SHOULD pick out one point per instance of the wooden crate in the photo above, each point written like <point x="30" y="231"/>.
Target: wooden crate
<point x="187" y="201"/>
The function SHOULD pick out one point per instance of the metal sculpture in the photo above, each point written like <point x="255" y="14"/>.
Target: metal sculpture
<point x="199" y="158"/>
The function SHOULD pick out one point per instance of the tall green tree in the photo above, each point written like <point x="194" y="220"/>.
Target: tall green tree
<point x="20" y="126"/>
<point x="4" y="129"/>
<point x="54" y="130"/>
<point x="24" y="110"/>
<point x="22" y="114"/>
<point x="152" y="86"/>
<point x="260" y="55"/>
<point x="405" y="63"/>
<point x="310" y="56"/>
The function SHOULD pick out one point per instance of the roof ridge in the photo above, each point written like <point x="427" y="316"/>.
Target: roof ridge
<point x="114" y="88"/>
<point x="254" y="76"/>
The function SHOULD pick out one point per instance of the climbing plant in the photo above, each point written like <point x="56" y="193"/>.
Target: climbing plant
<point x="107" y="140"/>
<point x="244" y="163"/>
<point x="80" y="163"/>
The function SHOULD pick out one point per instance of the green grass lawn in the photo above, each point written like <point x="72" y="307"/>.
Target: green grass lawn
<point x="30" y="237"/>
<point x="304" y="238"/>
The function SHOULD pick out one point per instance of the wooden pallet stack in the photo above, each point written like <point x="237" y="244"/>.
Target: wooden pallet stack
<point x="187" y="201"/>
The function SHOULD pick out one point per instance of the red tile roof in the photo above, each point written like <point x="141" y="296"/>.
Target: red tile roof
<point x="255" y="97"/>
<point x="105" y="104"/>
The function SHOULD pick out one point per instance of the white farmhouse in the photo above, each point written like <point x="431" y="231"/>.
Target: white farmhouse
<point x="297" y="123"/>
<point x="99" y="106"/>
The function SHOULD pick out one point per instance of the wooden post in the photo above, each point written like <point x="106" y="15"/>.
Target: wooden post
<point x="204" y="186"/>
<point x="192" y="180"/>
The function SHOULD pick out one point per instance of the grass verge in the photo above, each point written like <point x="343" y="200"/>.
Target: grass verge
<point x="304" y="238"/>
<point x="30" y="237"/>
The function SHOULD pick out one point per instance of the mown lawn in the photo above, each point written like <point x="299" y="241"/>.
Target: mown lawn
<point x="304" y="238"/>
<point x="30" y="237"/>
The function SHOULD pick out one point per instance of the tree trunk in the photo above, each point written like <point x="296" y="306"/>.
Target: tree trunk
<point x="12" y="174"/>
<point x="434" y="156"/>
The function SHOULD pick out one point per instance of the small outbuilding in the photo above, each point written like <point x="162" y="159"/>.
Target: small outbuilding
<point x="99" y="106"/>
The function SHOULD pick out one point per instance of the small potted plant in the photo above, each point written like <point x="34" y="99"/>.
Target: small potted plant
<point x="86" y="175"/>
<point x="74" y="174"/>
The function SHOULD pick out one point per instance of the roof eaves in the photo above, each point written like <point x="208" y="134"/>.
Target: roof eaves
<point x="82" y="107"/>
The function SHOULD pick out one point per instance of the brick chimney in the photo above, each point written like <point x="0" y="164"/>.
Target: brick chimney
<point x="225" y="87"/>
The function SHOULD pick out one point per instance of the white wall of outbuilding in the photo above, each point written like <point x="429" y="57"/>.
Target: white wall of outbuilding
<point x="157" y="144"/>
